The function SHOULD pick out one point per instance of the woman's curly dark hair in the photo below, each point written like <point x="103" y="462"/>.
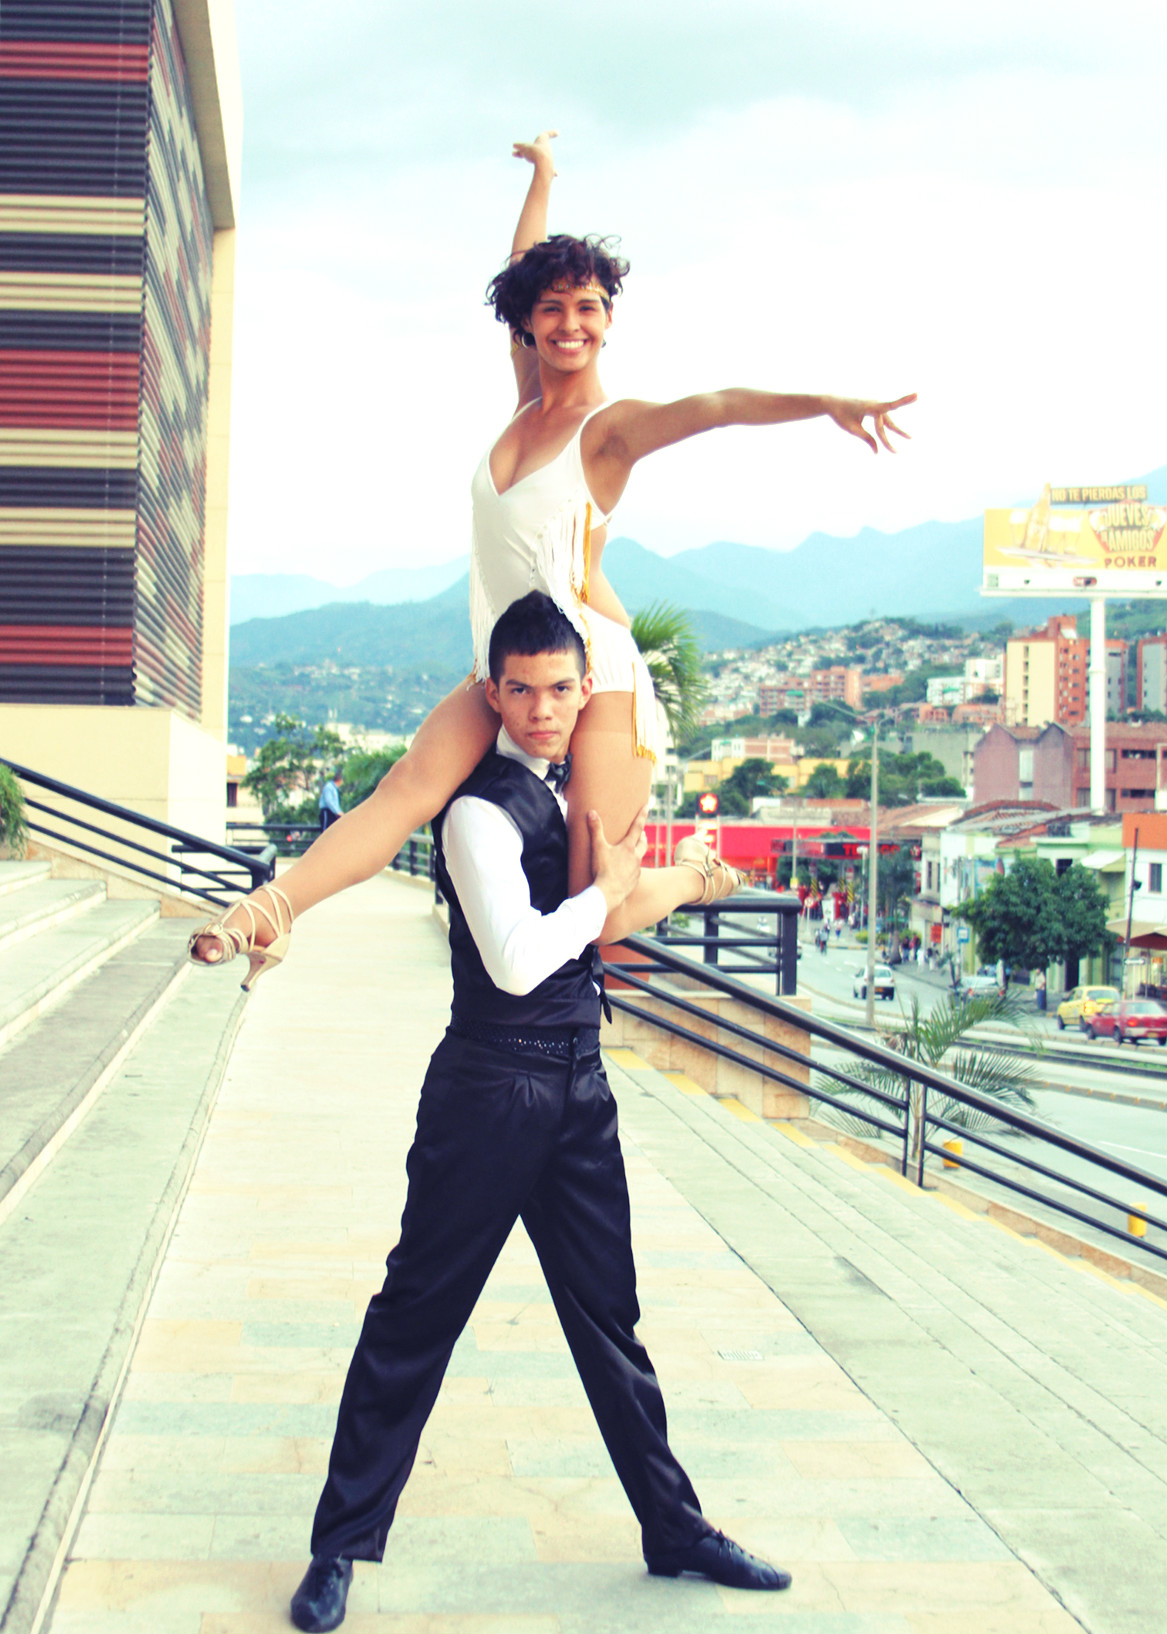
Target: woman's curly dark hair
<point x="577" y="261"/>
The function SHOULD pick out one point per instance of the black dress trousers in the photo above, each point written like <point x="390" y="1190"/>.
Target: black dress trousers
<point x="501" y="1135"/>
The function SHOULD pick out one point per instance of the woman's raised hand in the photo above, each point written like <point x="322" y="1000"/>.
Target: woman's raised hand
<point x="538" y="152"/>
<point x="849" y="413"/>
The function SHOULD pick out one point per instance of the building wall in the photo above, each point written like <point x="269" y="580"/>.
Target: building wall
<point x="1151" y="685"/>
<point x="1046" y="676"/>
<point x="1054" y="759"/>
<point x="154" y="760"/>
<point x="1116" y="661"/>
<point x="118" y="180"/>
<point x="996" y="770"/>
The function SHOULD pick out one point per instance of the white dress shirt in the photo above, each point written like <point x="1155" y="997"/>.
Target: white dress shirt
<point x="483" y="848"/>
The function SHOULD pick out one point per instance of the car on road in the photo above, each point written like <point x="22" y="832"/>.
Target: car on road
<point x="883" y="983"/>
<point x="1133" y="1019"/>
<point x="1083" y="1002"/>
<point x="983" y="980"/>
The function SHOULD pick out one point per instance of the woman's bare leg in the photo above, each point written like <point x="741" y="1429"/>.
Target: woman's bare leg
<point x="608" y="776"/>
<point x="449" y="744"/>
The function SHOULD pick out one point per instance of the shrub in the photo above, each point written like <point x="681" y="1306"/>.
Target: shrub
<point x="13" y="822"/>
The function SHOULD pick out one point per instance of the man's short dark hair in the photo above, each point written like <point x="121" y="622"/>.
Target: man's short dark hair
<point x="531" y="626"/>
<point x="574" y="261"/>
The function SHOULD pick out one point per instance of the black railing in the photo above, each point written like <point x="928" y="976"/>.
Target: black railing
<point x="171" y="864"/>
<point x="778" y="953"/>
<point x="919" y="1130"/>
<point x="285" y="839"/>
<point x="416" y="856"/>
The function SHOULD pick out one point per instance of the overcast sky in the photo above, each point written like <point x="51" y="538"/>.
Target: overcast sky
<point x="964" y="201"/>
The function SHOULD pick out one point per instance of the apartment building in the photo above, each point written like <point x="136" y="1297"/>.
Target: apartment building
<point x="1045" y="675"/>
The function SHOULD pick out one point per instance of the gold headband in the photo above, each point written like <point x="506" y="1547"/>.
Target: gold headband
<point x="562" y="287"/>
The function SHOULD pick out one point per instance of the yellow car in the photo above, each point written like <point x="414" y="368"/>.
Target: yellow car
<point x="1085" y="1001"/>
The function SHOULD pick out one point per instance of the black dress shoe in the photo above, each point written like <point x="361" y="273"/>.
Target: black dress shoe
<point x="720" y="1558"/>
<point x="318" y="1604"/>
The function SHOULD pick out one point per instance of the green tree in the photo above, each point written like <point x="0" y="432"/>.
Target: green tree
<point x="363" y="770"/>
<point x="750" y="781"/>
<point x="286" y="772"/>
<point x="896" y="882"/>
<point x="1082" y="905"/>
<point x="1018" y="916"/>
<point x="824" y="783"/>
<point x="903" y="778"/>
<point x="669" y="645"/>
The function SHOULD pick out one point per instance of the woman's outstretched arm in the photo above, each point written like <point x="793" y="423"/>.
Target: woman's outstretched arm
<point x="628" y="430"/>
<point x="531" y="229"/>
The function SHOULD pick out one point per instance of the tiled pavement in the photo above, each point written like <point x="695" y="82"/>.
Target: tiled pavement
<point x="513" y="1522"/>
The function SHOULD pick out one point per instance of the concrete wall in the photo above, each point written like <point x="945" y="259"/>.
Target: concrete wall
<point x="716" y="1076"/>
<point x="995" y="767"/>
<point x="152" y="760"/>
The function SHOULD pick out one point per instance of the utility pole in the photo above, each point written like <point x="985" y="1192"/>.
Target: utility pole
<point x="872" y="877"/>
<point x="1126" y="946"/>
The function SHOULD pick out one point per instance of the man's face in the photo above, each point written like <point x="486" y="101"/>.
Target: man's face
<point x="539" y="699"/>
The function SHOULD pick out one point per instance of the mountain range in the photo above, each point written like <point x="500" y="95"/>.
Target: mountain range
<point x="738" y="595"/>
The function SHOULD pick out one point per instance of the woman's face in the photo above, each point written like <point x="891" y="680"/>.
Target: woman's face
<point x="569" y="326"/>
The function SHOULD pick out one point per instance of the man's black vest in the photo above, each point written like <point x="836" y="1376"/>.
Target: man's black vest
<point x="568" y="997"/>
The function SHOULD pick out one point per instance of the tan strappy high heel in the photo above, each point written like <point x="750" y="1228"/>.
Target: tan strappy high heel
<point x="233" y="939"/>
<point x="720" y="879"/>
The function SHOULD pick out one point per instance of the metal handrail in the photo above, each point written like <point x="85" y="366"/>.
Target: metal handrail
<point x="194" y="879"/>
<point x="912" y="1126"/>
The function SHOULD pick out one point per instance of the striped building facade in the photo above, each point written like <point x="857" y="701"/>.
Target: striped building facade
<point x="116" y="204"/>
<point x="105" y="272"/>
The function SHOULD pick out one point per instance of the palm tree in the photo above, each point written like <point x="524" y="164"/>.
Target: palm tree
<point x="669" y="645"/>
<point x="941" y="1040"/>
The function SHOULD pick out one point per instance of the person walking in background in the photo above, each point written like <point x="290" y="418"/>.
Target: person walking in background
<point x="330" y="801"/>
<point x="1039" y="989"/>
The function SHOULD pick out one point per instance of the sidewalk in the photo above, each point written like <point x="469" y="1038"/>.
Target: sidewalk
<point x="513" y="1523"/>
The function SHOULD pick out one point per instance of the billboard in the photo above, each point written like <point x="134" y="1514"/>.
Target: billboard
<point x="1106" y="540"/>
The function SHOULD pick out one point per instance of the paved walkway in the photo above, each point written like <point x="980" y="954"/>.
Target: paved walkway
<point x="513" y="1523"/>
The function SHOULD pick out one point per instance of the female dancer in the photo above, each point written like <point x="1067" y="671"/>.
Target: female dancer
<point x="543" y="495"/>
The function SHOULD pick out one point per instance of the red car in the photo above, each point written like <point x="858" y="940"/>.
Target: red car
<point x="1135" y="1019"/>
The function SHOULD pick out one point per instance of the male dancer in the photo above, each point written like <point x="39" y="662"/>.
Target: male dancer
<point x="516" y="1120"/>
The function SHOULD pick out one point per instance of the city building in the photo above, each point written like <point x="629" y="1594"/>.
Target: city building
<point x="1151" y="673"/>
<point x="837" y="684"/>
<point x="741" y="748"/>
<point x="1025" y="763"/>
<point x="1116" y="676"/>
<point x="1045" y="675"/>
<point x="1141" y="915"/>
<point x="119" y="173"/>
<point x="951" y="745"/>
<point x="967" y="856"/>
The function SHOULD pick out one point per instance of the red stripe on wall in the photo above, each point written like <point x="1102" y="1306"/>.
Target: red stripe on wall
<point x="72" y="59"/>
<point x="64" y="644"/>
<point x="69" y="390"/>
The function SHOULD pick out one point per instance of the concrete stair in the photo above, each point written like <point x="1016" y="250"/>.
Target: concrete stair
<point x="1010" y="1366"/>
<point x="110" y="1058"/>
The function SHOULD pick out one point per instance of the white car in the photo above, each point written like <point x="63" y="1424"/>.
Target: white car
<point x="883" y="983"/>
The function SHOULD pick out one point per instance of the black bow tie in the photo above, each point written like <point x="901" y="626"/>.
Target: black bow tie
<point x="558" y="774"/>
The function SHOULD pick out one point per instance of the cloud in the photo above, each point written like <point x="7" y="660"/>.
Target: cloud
<point x="812" y="199"/>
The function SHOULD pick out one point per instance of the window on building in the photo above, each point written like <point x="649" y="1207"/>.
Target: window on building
<point x="1111" y="761"/>
<point x="1155" y="883"/>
